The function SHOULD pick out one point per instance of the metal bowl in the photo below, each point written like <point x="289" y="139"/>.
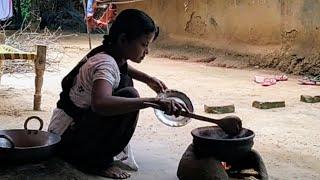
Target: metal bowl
<point x="172" y="120"/>
<point x="213" y="141"/>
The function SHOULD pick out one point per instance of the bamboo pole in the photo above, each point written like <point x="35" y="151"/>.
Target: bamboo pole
<point x="39" y="63"/>
<point x="2" y="41"/>
<point x="86" y="19"/>
<point x="1" y="62"/>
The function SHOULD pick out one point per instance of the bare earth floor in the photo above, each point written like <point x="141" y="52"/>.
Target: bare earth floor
<point x="287" y="138"/>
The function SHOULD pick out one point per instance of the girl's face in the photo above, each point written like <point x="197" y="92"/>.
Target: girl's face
<point x="138" y="48"/>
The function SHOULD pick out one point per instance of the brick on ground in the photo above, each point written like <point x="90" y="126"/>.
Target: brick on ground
<point x="219" y="109"/>
<point x="268" y="104"/>
<point x="310" y="99"/>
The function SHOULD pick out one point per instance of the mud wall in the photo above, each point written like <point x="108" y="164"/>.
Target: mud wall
<point x="294" y="25"/>
<point x="300" y="23"/>
<point x="300" y="36"/>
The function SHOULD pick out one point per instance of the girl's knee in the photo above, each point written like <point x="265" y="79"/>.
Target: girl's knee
<point x="129" y="92"/>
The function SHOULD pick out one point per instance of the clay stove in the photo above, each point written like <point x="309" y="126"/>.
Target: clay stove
<point x="211" y="146"/>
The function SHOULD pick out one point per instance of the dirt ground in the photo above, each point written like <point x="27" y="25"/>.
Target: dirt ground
<point x="287" y="138"/>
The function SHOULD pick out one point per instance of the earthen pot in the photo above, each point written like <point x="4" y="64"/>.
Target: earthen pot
<point x="213" y="141"/>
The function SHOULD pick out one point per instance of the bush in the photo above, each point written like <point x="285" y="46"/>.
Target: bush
<point x="26" y="9"/>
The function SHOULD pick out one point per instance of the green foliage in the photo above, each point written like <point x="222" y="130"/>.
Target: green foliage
<point x="26" y="9"/>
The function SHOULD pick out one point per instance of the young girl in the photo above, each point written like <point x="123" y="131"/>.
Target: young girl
<point x="98" y="107"/>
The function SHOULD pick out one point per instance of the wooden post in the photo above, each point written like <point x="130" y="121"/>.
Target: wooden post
<point x="2" y="38"/>
<point x="39" y="63"/>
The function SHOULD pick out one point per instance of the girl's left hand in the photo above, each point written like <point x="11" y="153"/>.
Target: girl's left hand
<point x="157" y="85"/>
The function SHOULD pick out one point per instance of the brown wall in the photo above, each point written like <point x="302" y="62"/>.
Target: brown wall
<point x="249" y="21"/>
<point x="294" y="25"/>
<point x="301" y="23"/>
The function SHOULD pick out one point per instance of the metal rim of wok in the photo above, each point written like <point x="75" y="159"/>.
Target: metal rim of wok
<point x="54" y="139"/>
<point x="196" y="134"/>
<point x="51" y="138"/>
<point x="172" y="120"/>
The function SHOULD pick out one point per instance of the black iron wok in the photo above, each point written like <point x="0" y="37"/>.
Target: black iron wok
<point x="25" y="145"/>
<point x="213" y="141"/>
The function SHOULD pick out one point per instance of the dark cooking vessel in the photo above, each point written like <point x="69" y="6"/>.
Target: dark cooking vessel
<point x="213" y="141"/>
<point x="24" y="145"/>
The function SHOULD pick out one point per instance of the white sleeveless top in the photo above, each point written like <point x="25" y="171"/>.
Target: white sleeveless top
<point x="99" y="66"/>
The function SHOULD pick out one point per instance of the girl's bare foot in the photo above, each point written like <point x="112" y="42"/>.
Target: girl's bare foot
<point x="114" y="172"/>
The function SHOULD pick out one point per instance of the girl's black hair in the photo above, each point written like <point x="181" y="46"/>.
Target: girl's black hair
<point x="131" y="22"/>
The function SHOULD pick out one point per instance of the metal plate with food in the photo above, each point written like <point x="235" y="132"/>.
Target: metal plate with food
<point x="171" y="120"/>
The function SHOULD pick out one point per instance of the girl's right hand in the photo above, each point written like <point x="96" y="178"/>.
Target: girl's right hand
<point x="171" y="107"/>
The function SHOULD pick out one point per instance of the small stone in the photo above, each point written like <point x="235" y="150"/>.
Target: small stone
<point x="179" y="57"/>
<point x="206" y="59"/>
<point x="219" y="109"/>
<point x="268" y="105"/>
